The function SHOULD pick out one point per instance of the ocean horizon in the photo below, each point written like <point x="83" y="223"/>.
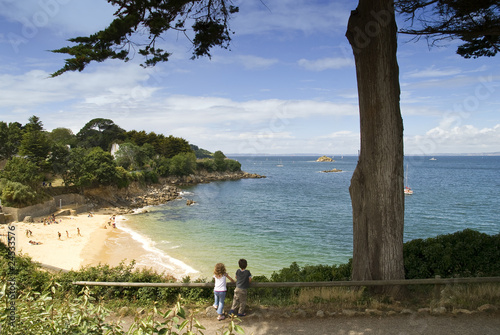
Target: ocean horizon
<point x="300" y="214"/>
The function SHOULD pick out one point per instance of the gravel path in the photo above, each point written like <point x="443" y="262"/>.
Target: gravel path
<point x="479" y="324"/>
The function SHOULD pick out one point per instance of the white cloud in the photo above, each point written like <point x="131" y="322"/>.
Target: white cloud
<point x="463" y="139"/>
<point x="433" y="72"/>
<point x="255" y="62"/>
<point x="326" y="63"/>
<point x="288" y="16"/>
<point x="249" y="62"/>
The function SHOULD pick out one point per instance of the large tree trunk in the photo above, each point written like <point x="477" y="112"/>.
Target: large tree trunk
<point x="377" y="183"/>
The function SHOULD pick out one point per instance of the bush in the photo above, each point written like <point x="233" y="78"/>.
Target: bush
<point x="16" y="194"/>
<point x="463" y="254"/>
<point x="206" y="164"/>
<point x="183" y="164"/>
<point x="27" y="274"/>
<point x="121" y="273"/>
<point x="232" y="165"/>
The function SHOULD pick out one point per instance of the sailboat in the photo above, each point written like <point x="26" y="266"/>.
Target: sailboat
<point x="280" y="163"/>
<point x="407" y="189"/>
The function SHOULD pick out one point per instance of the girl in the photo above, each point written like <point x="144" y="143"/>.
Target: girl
<point x="220" y="289"/>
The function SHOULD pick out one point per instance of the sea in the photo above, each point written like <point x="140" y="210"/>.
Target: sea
<point x="299" y="213"/>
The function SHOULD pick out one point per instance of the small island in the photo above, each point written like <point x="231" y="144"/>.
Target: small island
<point x="325" y="159"/>
<point x="332" y="170"/>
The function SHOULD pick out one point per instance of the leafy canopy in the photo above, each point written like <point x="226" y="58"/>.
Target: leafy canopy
<point x="477" y="23"/>
<point x="152" y="18"/>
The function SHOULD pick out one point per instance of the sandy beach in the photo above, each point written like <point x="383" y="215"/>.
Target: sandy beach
<point x="82" y="241"/>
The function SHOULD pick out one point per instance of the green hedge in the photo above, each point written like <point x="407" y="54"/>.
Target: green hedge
<point x="467" y="253"/>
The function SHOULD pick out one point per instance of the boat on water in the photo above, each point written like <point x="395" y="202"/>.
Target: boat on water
<point x="407" y="188"/>
<point x="433" y="159"/>
<point x="280" y="163"/>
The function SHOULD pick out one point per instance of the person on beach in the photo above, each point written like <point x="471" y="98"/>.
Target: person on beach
<point x="243" y="280"/>
<point x="59" y="235"/>
<point x="78" y="229"/>
<point x="220" y="289"/>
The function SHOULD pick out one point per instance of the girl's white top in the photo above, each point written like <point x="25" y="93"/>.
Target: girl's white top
<point x="220" y="284"/>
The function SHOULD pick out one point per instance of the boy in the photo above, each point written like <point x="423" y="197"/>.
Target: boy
<point x="243" y="280"/>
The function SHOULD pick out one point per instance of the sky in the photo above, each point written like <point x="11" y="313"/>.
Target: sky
<point x="287" y="85"/>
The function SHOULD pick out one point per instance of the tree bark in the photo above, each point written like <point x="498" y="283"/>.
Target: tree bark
<point x="377" y="183"/>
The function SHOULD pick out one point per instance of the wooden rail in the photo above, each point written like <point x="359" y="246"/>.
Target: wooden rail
<point x="432" y="281"/>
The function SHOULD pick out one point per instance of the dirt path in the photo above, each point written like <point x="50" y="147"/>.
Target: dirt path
<point x="414" y="324"/>
<point x="488" y="324"/>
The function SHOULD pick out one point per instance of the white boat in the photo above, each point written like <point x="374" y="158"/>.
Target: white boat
<point x="280" y="163"/>
<point x="433" y="159"/>
<point x="407" y="188"/>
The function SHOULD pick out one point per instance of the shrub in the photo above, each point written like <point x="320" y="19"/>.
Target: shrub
<point x="462" y="254"/>
<point x="206" y="164"/>
<point x="232" y="165"/>
<point x="15" y="194"/>
<point x="26" y="273"/>
<point x="183" y="164"/>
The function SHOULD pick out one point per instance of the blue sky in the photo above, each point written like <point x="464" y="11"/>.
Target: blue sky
<point x="287" y="84"/>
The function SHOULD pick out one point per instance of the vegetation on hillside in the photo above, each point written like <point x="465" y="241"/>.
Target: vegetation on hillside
<point x="35" y="157"/>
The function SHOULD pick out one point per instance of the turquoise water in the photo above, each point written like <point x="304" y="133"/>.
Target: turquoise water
<point x="299" y="214"/>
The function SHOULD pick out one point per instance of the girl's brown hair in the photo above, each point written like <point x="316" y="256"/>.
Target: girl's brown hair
<point x="220" y="269"/>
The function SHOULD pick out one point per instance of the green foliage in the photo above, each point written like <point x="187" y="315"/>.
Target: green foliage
<point x="295" y="273"/>
<point x="59" y="158"/>
<point x="100" y="133"/>
<point x="143" y="177"/>
<point x="134" y="157"/>
<point x="153" y="19"/>
<point x="171" y="146"/>
<point x="62" y="136"/>
<point x="28" y="275"/>
<point x="200" y="153"/>
<point x="123" y="179"/>
<point x="467" y="253"/>
<point x="122" y="273"/>
<point x="20" y="183"/>
<point x="474" y="22"/>
<point x="233" y="165"/>
<point x="15" y="194"/>
<point x="10" y="139"/>
<point x="219" y="159"/>
<point x="94" y="167"/>
<point x="161" y="166"/>
<point x="183" y="164"/>
<point x="39" y="313"/>
<point x="22" y="171"/>
<point x="35" y="144"/>
<point x="206" y="164"/>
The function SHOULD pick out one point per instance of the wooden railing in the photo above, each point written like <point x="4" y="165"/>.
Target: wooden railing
<point x="431" y="281"/>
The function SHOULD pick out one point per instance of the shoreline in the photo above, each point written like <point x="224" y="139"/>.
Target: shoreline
<point x="95" y="245"/>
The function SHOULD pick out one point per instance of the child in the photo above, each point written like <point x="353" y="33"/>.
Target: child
<point x="220" y="289"/>
<point x="243" y="280"/>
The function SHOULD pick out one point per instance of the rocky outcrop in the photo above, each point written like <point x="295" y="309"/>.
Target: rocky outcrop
<point x="208" y="177"/>
<point x="138" y="196"/>
<point x="332" y="170"/>
<point x="325" y="159"/>
<point x="135" y="196"/>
